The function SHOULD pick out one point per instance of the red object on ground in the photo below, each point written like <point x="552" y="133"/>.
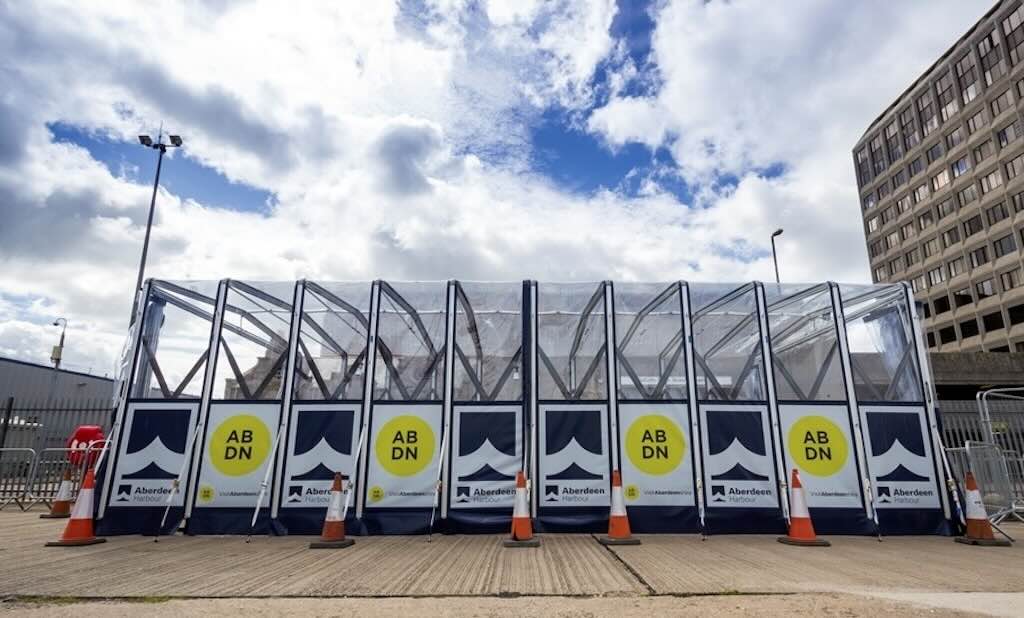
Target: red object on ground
<point x="80" y="440"/>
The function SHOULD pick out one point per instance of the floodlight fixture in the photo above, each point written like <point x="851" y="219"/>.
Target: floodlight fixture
<point x="175" y="140"/>
<point x="777" y="232"/>
<point x="775" y="258"/>
<point x="146" y="141"/>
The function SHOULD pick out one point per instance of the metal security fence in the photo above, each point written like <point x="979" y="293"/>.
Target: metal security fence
<point x="40" y="424"/>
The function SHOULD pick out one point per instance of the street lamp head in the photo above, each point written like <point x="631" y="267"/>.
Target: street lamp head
<point x="175" y="140"/>
<point x="777" y="232"/>
<point x="146" y="141"/>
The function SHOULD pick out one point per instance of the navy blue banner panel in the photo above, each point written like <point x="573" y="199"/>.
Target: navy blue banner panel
<point x="486" y="453"/>
<point x="574" y="487"/>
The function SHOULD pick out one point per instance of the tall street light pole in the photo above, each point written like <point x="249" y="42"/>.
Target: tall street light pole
<point x="159" y="145"/>
<point x="775" y="258"/>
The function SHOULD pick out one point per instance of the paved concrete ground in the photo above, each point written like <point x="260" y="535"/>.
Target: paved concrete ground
<point x="565" y="566"/>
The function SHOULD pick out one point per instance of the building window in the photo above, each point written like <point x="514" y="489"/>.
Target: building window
<point x="869" y="201"/>
<point x="934" y="152"/>
<point x="1008" y="134"/>
<point x="926" y="109"/>
<point x="975" y="122"/>
<point x="903" y="204"/>
<point x="991" y="181"/>
<point x="967" y="73"/>
<point x="910" y="137"/>
<point x="941" y="304"/>
<point x="892" y="240"/>
<point x="960" y="167"/>
<point x="996" y="213"/>
<point x="947" y="96"/>
<point x="967" y="195"/>
<point x="921" y="193"/>
<point x="993" y="321"/>
<point x="879" y="274"/>
<point x="1015" y="167"/>
<point x="907" y="230"/>
<point x="863" y="167"/>
<point x="912" y="257"/>
<point x="969" y="328"/>
<point x="978" y="257"/>
<point x="883" y="190"/>
<point x="1018" y="202"/>
<point x="984" y="151"/>
<point x="873" y="224"/>
<point x="972" y="226"/>
<point x="956" y="267"/>
<point x="1004" y="246"/>
<point x="875" y="249"/>
<point x="962" y="297"/>
<point x="940" y="181"/>
<point x="1016" y="315"/>
<point x="916" y="167"/>
<point x="984" y="289"/>
<point x="899" y="178"/>
<point x="931" y="339"/>
<point x="955" y="138"/>
<point x="917" y="284"/>
<point x="946" y="207"/>
<point x="950" y="237"/>
<point x="877" y="156"/>
<point x="888" y="215"/>
<point x="892" y="141"/>
<point x="925" y="219"/>
<point x="930" y="247"/>
<point x="936" y="276"/>
<point x="1002" y="103"/>
<point x="992" y="65"/>
<point x="1013" y="33"/>
<point x="895" y="266"/>
<point x="1010" y="279"/>
<point x="947" y="335"/>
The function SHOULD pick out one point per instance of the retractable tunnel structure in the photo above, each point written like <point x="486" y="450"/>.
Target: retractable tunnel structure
<point x="429" y="397"/>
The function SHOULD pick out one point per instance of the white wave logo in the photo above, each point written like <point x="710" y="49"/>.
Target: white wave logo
<point x="487" y="454"/>
<point x="573" y="453"/>
<point x="322" y="453"/>
<point x="737" y="454"/>
<point x="154" y="453"/>
<point x="898" y="456"/>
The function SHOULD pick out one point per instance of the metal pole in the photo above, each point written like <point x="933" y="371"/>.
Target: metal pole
<point x="149" y="226"/>
<point x="8" y="409"/>
<point x="775" y="259"/>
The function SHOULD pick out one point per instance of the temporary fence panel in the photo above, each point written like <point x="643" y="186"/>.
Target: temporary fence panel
<point x="487" y="420"/>
<point x="990" y="470"/>
<point x="429" y="397"/>
<point x="653" y="389"/>
<point x="895" y="407"/>
<point x="401" y="469"/>
<point x="158" y="417"/>
<point x="573" y="482"/>
<point x="243" y="422"/>
<point x="16" y="467"/>
<point x="818" y="434"/>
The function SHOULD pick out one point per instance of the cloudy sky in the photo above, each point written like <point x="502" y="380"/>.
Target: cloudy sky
<point x="434" y="139"/>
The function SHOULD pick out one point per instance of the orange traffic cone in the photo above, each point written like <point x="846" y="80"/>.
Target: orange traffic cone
<point x="79" y="530"/>
<point x="333" y="535"/>
<point x="979" y="530"/>
<point x="801" y="530"/>
<point x="522" y="528"/>
<point x="618" y="521"/>
<point x="61" y="507"/>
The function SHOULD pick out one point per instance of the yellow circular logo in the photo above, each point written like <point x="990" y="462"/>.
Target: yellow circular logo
<point x="405" y="445"/>
<point x="206" y="493"/>
<point x="817" y="445"/>
<point x="632" y="492"/>
<point x="239" y="445"/>
<point x="376" y="493"/>
<point x="655" y="445"/>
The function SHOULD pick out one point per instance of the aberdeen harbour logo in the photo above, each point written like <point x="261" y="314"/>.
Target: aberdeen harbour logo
<point x="322" y="438"/>
<point x="898" y="446"/>
<point x="156" y="444"/>
<point x="736" y="444"/>
<point x="487" y="438"/>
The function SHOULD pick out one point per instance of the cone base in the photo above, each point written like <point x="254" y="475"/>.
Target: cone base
<point x="343" y="543"/>
<point x="518" y="543"/>
<point x="609" y="541"/>
<point x="787" y="540"/>
<point x="55" y="516"/>
<point x="982" y="542"/>
<point x="76" y="543"/>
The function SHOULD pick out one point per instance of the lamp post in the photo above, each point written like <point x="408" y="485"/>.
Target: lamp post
<point x="58" y="350"/>
<point x="775" y="258"/>
<point x="159" y="145"/>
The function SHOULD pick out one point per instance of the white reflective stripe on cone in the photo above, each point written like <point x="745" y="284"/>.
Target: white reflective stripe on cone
<point x="521" y="509"/>
<point x="618" y="506"/>
<point x="798" y="506"/>
<point x="64" y="492"/>
<point x="83" y="506"/>
<point x="334" y="509"/>
<point x="975" y="507"/>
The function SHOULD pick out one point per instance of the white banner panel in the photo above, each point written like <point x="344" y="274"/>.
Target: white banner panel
<point x="574" y="468"/>
<point x="322" y="440"/>
<point x="404" y="455"/>
<point x="657" y="454"/>
<point x="151" y="452"/>
<point x="818" y="440"/>
<point x="239" y="437"/>
<point x="739" y="469"/>
<point x="900" y="455"/>
<point x="486" y="454"/>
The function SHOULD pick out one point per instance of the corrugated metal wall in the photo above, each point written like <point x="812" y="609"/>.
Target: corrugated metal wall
<point x="31" y="382"/>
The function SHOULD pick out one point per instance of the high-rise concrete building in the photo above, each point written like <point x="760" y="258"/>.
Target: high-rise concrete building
<point x="941" y="179"/>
